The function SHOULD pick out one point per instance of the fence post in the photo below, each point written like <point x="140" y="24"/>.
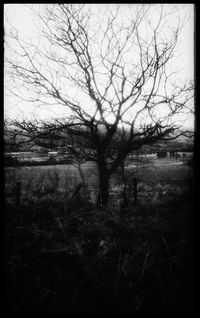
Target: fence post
<point x="135" y="190"/>
<point x="18" y="193"/>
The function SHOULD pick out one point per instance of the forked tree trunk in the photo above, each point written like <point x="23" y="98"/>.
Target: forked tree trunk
<point x="103" y="196"/>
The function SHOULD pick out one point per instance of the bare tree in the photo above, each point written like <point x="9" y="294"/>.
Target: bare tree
<point x="125" y="94"/>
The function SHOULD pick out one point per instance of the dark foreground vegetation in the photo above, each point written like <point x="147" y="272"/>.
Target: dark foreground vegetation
<point x="135" y="260"/>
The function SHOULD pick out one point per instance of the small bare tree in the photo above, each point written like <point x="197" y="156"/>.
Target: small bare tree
<point x="125" y="95"/>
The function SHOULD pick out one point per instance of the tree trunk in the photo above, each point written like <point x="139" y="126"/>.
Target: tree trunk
<point x="82" y="178"/>
<point x="103" y="188"/>
<point x="124" y="194"/>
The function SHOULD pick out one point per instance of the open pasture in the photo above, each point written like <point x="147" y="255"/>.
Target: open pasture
<point x="152" y="174"/>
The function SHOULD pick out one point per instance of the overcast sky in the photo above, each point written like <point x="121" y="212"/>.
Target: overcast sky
<point x="25" y="21"/>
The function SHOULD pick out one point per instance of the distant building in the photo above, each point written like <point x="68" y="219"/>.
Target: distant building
<point x="52" y="153"/>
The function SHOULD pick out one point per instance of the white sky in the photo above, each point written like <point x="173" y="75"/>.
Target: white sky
<point x="24" y="20"/>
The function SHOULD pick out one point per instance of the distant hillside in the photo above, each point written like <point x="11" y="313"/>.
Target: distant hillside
<point x="170" y="145"/>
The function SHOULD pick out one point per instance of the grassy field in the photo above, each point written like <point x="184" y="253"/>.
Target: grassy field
<point x="65" y="178"/>
<point x="63" y="258"/>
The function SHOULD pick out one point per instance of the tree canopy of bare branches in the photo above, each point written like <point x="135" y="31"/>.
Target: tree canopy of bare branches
<point x="112" y="74"/>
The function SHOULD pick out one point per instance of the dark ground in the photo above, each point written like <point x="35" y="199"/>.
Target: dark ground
<point x="137" y="259"/>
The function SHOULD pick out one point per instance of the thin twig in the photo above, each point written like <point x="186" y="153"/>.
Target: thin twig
<point x="170" y="254"/>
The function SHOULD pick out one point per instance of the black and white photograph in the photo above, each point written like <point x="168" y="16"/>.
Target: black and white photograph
<point x="99" y="132"/>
